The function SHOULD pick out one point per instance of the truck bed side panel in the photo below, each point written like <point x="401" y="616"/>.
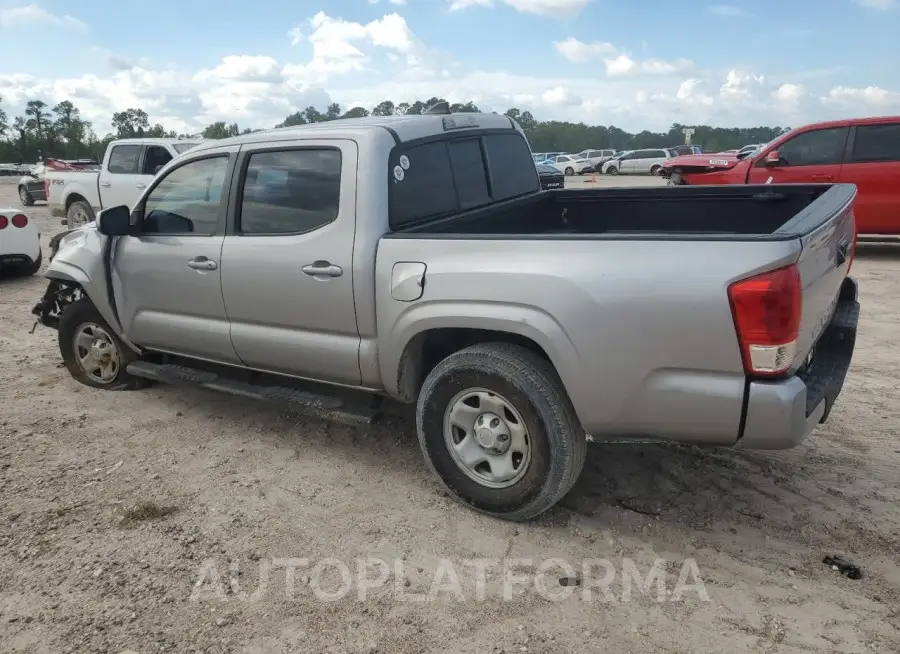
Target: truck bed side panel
<point x="640" y="332"/>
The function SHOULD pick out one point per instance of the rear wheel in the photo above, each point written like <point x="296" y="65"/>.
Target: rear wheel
<point x="79" y="214"/>
<point x="612" y="170"/>
<point x="25" y="197"/>
<point x="92" y="352"/>
<point x="497" y="428"/>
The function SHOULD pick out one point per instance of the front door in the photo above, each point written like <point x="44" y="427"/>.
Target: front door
<point x="120" y="176"/>
<point x="810" y="157"/>
<point x="167" y="277"/>
<point x="627" y="162"/>
<point x="288" y="274"/>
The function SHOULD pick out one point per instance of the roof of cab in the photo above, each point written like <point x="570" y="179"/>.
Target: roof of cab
<point x="405" y="128"/>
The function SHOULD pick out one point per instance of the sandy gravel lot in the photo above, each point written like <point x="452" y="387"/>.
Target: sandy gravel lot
<point x="249" y="486"/>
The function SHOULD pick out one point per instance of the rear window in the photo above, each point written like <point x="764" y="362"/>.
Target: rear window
<point x="876" y="143"/>
<point x="440" y="177"/>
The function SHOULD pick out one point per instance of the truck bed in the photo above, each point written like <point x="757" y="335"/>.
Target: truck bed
<point x="769" y="212"/>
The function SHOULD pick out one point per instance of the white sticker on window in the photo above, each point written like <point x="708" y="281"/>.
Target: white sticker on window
<point x="404" y="162"/>
<point x="398" y="173"/>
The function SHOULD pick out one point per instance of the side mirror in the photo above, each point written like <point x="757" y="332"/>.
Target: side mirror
<point x="773" y="158"/>
<point x="115" y="221"/>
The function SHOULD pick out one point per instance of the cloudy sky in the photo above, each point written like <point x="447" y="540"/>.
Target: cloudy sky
<point x="637" y="65"/>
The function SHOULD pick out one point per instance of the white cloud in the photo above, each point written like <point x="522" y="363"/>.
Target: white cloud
<point x="35" y="13"/>
<point x="728" y="11"/>
<point x="365" y="63"/>
<point x="882" y="5"/>
<point x="561" y="9"/>
<point x="616" y="61"/>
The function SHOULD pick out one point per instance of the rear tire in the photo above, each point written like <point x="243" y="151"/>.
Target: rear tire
<point x="25" y="197"/>
<point x="79" y="214"/>
<point x="92" y="352"/>
<point x="612" y="170"/>
<point x="544" y="440"/>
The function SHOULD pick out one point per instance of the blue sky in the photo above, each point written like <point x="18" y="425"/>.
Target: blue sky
<point x="635" y="65"/>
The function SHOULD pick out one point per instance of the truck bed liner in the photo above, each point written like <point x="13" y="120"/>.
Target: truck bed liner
<point x="767" y="212"/>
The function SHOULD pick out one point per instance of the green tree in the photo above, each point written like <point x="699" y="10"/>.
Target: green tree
<point x="221" y="131"/>
<point x="130" y="123"/>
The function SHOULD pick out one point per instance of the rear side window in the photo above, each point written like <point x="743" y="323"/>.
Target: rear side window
<point x="123" y="160"/>
<point x="876" y="143"/>
<point x="440" y="177"/>
<point x="291" y="191"/>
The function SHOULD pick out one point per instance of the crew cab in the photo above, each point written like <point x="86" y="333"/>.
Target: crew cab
<point x="861" y="151"/>
<point x="127" y="168"/>
<point x="346" y="266"/>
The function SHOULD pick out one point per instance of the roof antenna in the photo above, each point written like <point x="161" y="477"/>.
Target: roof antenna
<point x="442" y="107"/>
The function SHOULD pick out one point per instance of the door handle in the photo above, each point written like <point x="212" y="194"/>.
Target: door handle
<point x="322" y="269"/>
<point x="140" y="186"/>
<point x="106" y="184"/>
<point x="202" y="263"/>
<point x="824" y="177"/>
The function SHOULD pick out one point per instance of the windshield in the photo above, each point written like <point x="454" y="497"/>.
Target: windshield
<point x="181" y="148"/>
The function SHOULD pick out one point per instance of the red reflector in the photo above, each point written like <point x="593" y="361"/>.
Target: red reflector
<point x="20" y="220"/>
<point x="3" y="222"/>
<point x="767" y="310"/>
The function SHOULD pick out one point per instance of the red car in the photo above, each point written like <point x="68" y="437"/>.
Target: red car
<point x="861" y="151"/>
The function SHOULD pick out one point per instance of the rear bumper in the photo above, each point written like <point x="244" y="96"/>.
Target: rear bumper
<point x="780" y="414"/>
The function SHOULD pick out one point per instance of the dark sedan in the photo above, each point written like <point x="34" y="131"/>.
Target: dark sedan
<point x="550" y="177"/>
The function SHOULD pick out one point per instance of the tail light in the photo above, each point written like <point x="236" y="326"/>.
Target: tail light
<point x="19" y="220"/>
<point x="3" y="222"/>
<point x="767" y="310"/>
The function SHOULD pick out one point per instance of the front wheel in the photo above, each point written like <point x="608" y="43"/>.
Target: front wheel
<point x="612" y="170"/>
<point x="655" y="170"/>
<point x="25" y="197"/>
<point x="498" y="429"/>
<point x="92" y="352"/>
<point x="570" y="171"/>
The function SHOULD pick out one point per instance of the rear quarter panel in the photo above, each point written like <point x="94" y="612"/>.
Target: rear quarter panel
<point x="640" y="331"/>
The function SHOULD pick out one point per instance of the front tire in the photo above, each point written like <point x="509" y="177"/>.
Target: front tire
<point x="92" y="352"/>
<point x="498" y="430"/>
<point x="570" y="171"/>
<point x="79" y="214"/>
<point x="655" y="170"/>
<point x="612" y="170"/>
<point x="25" y="197"/>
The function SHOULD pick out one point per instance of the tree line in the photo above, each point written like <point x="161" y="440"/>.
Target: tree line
<point x="61" y="132"/>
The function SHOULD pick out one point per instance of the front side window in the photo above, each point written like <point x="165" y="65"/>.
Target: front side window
<point x="123" y="160"/>
<point x="875" y="143"/>
<point x="819" y="147"/>
<point x="290" y="191"/>
<point x="187" y="200"/>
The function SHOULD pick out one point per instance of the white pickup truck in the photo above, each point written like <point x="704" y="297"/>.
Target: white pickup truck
<point x="128" y="166"/>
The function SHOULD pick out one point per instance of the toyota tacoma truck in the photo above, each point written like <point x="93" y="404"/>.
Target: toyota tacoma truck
<point x="346" y="266"/>
<point x="128" y="166"/>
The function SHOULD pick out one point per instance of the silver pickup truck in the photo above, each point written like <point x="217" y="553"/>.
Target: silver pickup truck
<point x="344" y="266"/>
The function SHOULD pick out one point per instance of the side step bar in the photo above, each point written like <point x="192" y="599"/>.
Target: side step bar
<point x="325" y="407"/>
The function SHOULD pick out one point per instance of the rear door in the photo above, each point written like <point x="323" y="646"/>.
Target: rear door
<point x="874" y="166"/>
<point x="287" y="277"/>
<point x="814" y="156"/>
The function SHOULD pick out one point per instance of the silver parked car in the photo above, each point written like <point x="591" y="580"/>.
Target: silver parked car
<point x="638" y="162"/>
<point x="345" y="266"/>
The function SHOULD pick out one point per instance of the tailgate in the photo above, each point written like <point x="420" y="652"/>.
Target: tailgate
<point x="824" y="261"/>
